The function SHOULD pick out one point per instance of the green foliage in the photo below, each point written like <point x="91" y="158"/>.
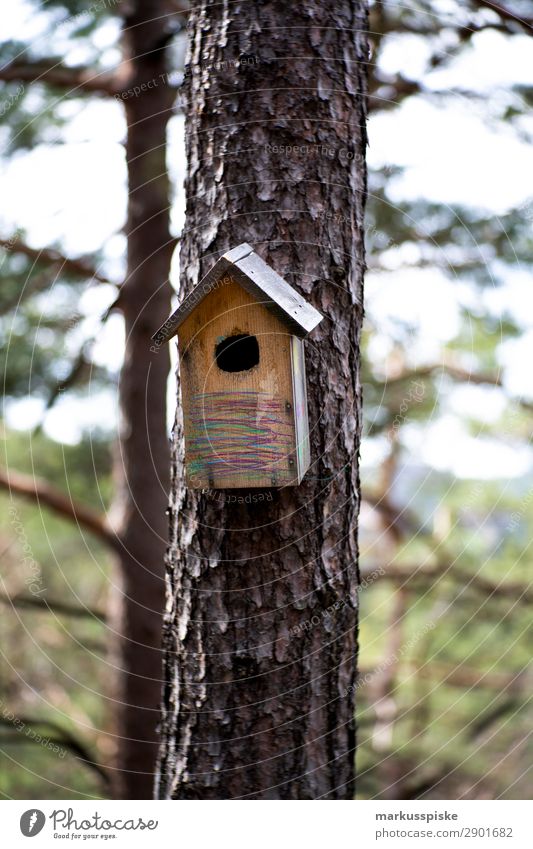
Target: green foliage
<point x="53" y="673"/>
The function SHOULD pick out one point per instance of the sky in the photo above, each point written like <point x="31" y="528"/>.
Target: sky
<point x="74" y="194"/>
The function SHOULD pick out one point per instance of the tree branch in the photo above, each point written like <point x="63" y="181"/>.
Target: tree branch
<point x="44" y="493"/>
<point x="463" y="677"/>
<point x="54" y="73"/>
<point x="392" y="91"/>
<point x="81" y="267"/>
<point x="78" y="370"/>
<point x="56" y="606"/>
<point x="453" y="370"/>
<point x="468" y="678"/>
<point x="506" y="14"/>
<point x="399" y="521"/>
<point x="63" y="738"/>
<point x="414" y="574"/>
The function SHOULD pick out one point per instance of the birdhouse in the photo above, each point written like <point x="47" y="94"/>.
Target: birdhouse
<point x="242" y="369"/>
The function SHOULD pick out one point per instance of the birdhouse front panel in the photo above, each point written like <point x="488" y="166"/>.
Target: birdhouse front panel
<point x="237" y="362"/>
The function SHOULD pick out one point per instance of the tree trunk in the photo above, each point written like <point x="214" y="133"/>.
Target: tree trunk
<point x="260" y="635"/>
<point x="143" y="456"/>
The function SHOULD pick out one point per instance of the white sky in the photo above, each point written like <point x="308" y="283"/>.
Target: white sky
<point x="74" y="193"/>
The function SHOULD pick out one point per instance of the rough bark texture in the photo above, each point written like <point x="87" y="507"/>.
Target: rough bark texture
<point x="143" y="458"/>
<point x="261" y="625"/>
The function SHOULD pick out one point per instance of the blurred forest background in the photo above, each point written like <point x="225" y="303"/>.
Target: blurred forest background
<point x="444" y="704"/>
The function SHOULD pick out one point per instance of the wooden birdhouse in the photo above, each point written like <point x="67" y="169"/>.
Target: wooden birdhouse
<point x="242" y="369"/>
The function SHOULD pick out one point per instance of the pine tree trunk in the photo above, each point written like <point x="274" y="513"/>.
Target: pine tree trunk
<point x="261" y="627"/>
<point x="143" y="457"/>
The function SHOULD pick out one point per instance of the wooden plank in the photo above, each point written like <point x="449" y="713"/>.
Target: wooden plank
<point x="255" y="275"/>
<point x="301" y="416"/>
<point x="239" y="426"/>
<point x="260" y="280"/>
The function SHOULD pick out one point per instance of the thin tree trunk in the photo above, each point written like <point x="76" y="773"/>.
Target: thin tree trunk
<point x="143" y="458"/>
<point x="261" y="626"/>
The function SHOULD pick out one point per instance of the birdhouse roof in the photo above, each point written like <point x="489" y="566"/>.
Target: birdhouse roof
<point x="260" y="280"/>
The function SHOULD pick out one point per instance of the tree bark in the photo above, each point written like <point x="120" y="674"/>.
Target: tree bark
<point x="143" y="457"/>
<point x="260" y="633"/>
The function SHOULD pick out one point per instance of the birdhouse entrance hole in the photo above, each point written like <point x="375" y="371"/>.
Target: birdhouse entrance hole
<point x="237" y="353"/>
